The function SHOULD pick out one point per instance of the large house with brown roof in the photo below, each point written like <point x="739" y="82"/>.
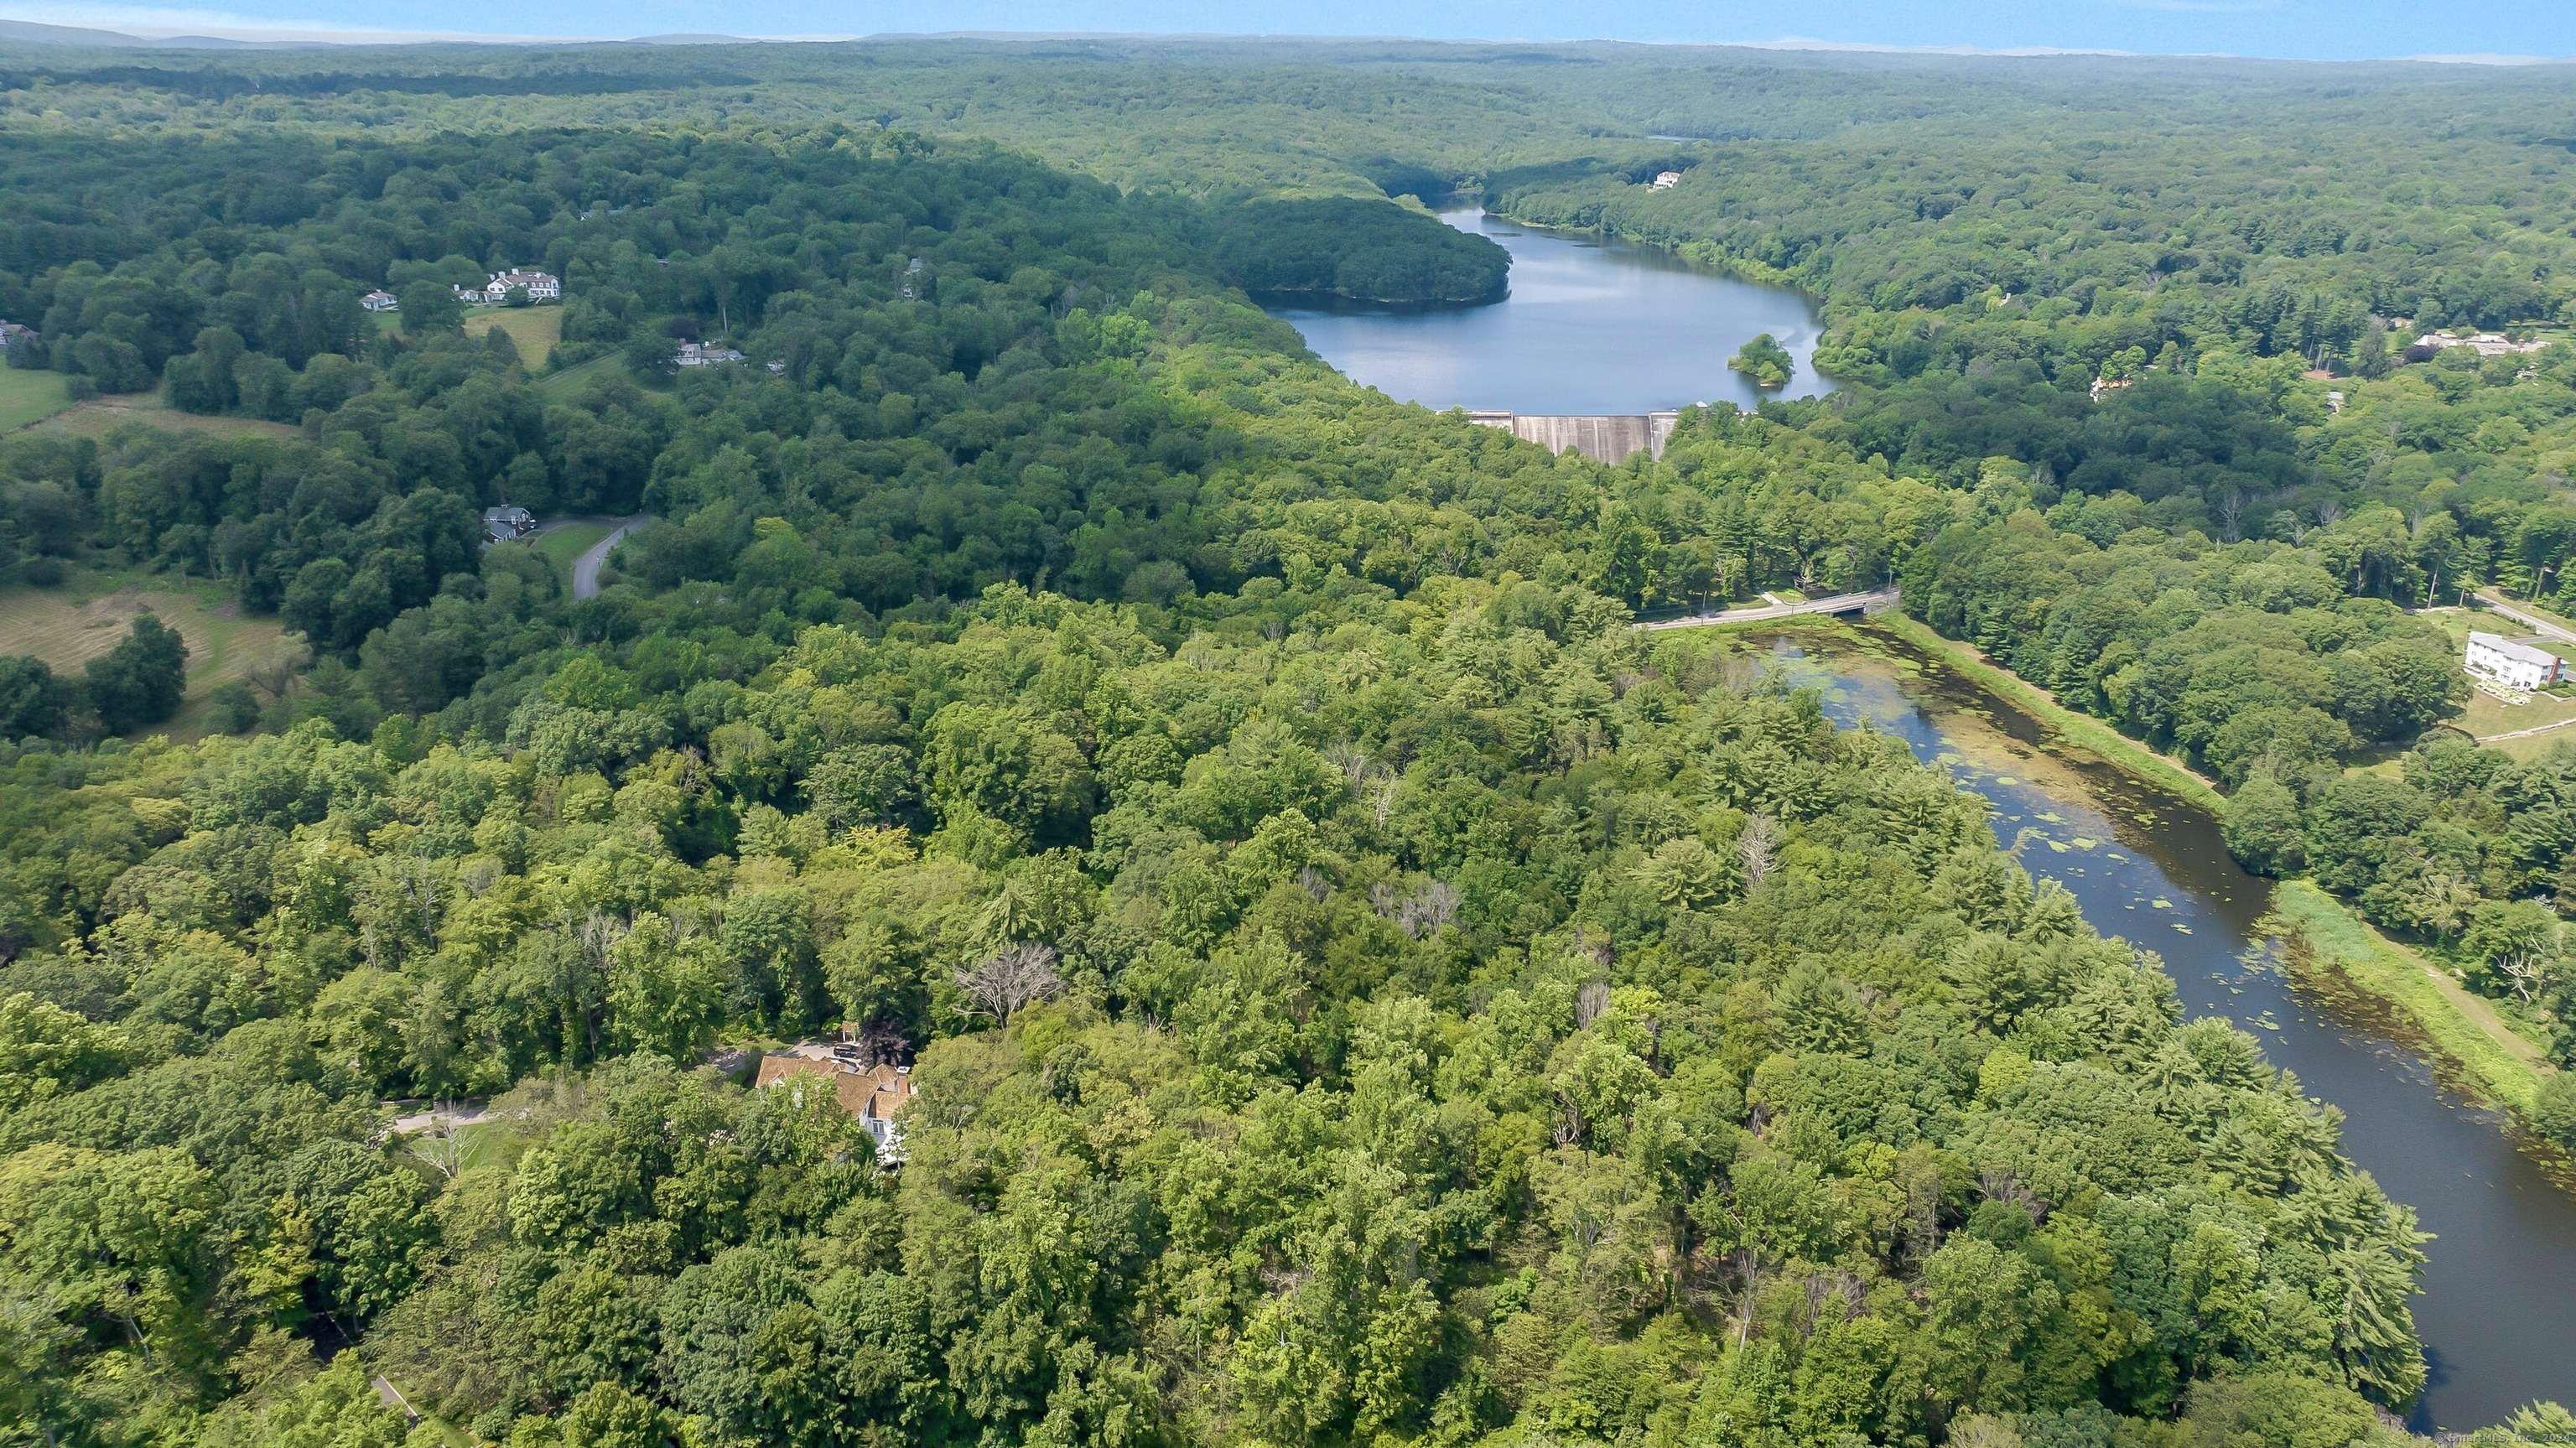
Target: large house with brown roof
<point x="876" y="1095"/>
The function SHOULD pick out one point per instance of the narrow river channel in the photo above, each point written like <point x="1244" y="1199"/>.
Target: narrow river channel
<point x="2498" y="1313"/>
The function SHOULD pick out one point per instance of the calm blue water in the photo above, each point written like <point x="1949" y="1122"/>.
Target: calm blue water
<point x="2498" y="1311"/>
<point x="1590" y="326"/>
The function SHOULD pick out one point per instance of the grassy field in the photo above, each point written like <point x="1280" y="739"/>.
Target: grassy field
<point x="2499" y="1065"/>
<point x="573" y="379"/>
<point x="2487" y="717"/>
<point x="565" y="544"/>
<point x="101" y="416"/>
<point x="29" y="396"/>
<point x="536" y="330"/>
<point x="70" y="625"/>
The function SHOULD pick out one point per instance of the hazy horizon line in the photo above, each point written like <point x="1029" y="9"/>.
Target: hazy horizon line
<point x="230" y="29"/>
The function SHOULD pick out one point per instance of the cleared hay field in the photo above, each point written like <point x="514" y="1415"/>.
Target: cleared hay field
<point x="69" y="626"/>
<point x="536" y="330"/>
<point x="101" y="416"/>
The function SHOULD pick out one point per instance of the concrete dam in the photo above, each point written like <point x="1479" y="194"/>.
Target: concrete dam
<point x="1609" y="439"/>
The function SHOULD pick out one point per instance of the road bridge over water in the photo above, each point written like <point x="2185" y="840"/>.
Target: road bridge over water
<point x="1840" y="603"/>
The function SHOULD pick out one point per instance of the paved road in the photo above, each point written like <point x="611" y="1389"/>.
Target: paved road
<point x="2531" y="621"/>
<point x="585" y="569"/>
<point x="1870" y="602"/>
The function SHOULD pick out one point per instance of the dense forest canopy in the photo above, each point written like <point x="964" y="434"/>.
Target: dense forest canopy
<point x="1362" y="250"/>
<point x="1359" y="990"/>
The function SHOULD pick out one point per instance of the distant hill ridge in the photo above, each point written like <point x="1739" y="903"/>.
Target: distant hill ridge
<point x="29" y="32"/>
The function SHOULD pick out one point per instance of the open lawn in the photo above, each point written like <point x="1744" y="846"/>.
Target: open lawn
<point x="2491" y="718"/>
<point x="70" y="625"/>
<point x="565" y="542"/>
<point x="27" y="396"/>
<point x="536" y="330"/>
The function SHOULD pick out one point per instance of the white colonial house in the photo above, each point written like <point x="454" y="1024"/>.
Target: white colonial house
<point x="2513" y="664"/>
<point x="380" y="302"/>
<point x="1666" y="180"/>
<point x="540" y="287"/>
<point x="708" y="354"/>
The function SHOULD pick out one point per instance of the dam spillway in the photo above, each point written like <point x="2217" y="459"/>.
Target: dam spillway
<point x="1611" y="438"/>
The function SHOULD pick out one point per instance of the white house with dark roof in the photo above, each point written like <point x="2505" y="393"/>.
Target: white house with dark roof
<point x="380" y="301"/>
<point x="2512" y="663"/>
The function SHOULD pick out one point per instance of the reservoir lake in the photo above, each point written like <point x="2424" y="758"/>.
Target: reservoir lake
<point x="2498" y="1309"/>
<point x="1589" y="326"/>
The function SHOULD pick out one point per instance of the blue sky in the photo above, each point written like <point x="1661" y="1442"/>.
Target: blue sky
<point x="2299" y="29"/>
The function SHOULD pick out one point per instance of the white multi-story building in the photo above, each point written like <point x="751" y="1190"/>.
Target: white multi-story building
<point x="2513" y="664"/>
<point x="540" y="287"/>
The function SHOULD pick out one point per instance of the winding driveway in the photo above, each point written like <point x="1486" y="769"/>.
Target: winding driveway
<point x="585" y="569"/>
